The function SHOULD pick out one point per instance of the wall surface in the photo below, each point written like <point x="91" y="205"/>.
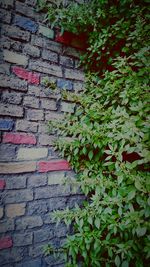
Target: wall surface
<point x="30" y="171"/>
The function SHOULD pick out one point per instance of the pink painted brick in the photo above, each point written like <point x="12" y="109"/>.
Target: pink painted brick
<point x="54" y="165"/>
<point x="6" y="242"/>
<point x="26" y="75"/>
<point x="2" y="184"/>
<point x="19" y="138"/>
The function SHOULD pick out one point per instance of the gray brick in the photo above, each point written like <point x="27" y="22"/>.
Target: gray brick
<point x="25" y="10"/>
<point x="74" y="74"/>
<point x="16" y="182"/>
<point x="7" y="152"/>
<point x="36" y="180"/>
<point x="36" y="251"/>
<point x="20" y="240"/>
<point x="31" y="2"/>
<point x="44" y="42"/>
<point x="5" y="68"/>
<point x="61" y="230"/>
<point x="45" y="68"/>
<point x="43" y="235"/>
<point x="78" y="86"/>
<point x="5" y="16"/>
<point x="38" y="207"/>
<point x="56" y="203"/>
<point x="66" y="61"/>
<point x="14" y="57"/>
<point x="48" y="104"/>
<point x="28" y="222"/>
<point x="54" y="116"/>
<point x="11" y="97"/>
<point x="11" y="110"/>
<point x="51" y="191"/>
<point x="6" y="225"/>
<point x="31" y="50"/>
<point x="17" y="196"/>
<point x="15" y="33"/>
<point x="67" y="107"/>
<point x="31" y="102"/>
<point x="46" y="140"/>
<point x="5" y="42"/>
<point x="35" y="115"/>
<point x="13" y="83"/>
<point x="69" y="51"/>
<point x="6" y="3"/>
<point x="32" y="263"/>
<point x="12" y="256"/>
<point x="50" y="56"/>
<point x="43" y="128"/>
<point x="26" y="126"/>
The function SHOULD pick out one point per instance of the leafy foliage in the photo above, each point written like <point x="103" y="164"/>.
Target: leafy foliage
<point x="107" y="142"/>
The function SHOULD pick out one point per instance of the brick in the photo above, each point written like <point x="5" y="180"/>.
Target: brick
<point x="61" y="231"/>
<point x="28" y="222"/>
<point x="11" y="110"/>
<point x="26" y="23"/>
<point x="7" y="225"/>
<point x="22" y="239"/>
<point x="74" y="74"/>
<point x="35" y="90"/>
<point x="43" y="42"/>
<point x="31" y="263"/>
<point x="13" y="57"/>
<point x="52" y="192"/>
<point x="15" y="210"/>
<point x="70" y="51"/>
<point x="55" y="203"/>
<point x="15" y="33"/>
<point x="16" y="182"/>
<point x="26" y="75"/>
<point x="11" y="97"/>
<point x="27" y="11"/>
<point x="6" y="242"/>
<point x="6" y="3"/>
<point x="19" y="138"/>
<point x="5" y="68"/>
<point x="2" y="184"/>
<point x="36" y="251"/>
<point x="31" y="50"/>
<point x="32" y="153"/>
<point x="7" y="152"/>
<point x="47" y="32"/>
<point x="67" y="107"/>
<point x="64" y="84"/>
<point x="43" y="128"/>
<point x="31" y="2"/>
<point x="13" y="83"/>
<point x="56" y="178"/>
<point x="11" y="256"/>
<point x="38" y="207"/>
<point x="50" y="56"/>
<point x="10" y="168"/>
<point x="46" y="140"/>
<point x="54" y="116"/>
<point x="45" y="68"/>
<point x="17" y="196"/>
<point x="35" y="115"/>
<point x="78" y="87"/>
<point x="66" y="61"/>
<point x="54" y="165"/>
<point x="5" y="16"/>
<point x="1" y="212"/>
<point x="43" y="235"/>
<point x="6" y="125"/>
<point x="37" y="180"/>
<point x="26" y="126"/>
<point x="31" y="102"/>
<point x="48" y="104"/>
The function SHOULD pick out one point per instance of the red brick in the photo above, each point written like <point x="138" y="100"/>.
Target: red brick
<point x="6" y="242"/>
<point x="70" y="39"/>
<point x="54" y="165"/>
<point x="2" y="184"/>
<point x="19" y="138"/>
<point x="26" y="75"/>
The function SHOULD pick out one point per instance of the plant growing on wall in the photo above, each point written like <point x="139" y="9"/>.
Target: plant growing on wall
<point x="109" y="144"/>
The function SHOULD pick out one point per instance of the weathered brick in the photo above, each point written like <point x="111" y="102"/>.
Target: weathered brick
<point x="43" y="128"/>
<point x="11" y="110"/>
<point x="32" y="153"/>
<point x="37" y="180"/>
<point x="61" y="230"/>
<point x="37" y="207"/>
<point x="64" y="84"/>
<point x="56" y="178"/>
<point x="53" y="165"/>
<point x="19" y="138"/>
<point x="69" y="51"/>
<point x="15" y="210"/>
<point x="6" y="125"/>
<point x="15" y="33"/>
<point x="45" y="68"/>
<point x="43" y="42"/>
<point x="35" y="90"/>
<point x="28" y="222"/>
<point x="26" y="126"/>
<point x="31" y="50"/>
<point x="7" y="152"/>
<point x="78" y="86"/>
<point x="17" y="196"/>
<point x="36" y="251"/>
<point x="50" y="56"/>
<point x="5" y="68"/>
<point x="1" y="212"/>
<point x="31" y="102"/>
<point x="6" y="242"/>
<point x="19" y="167"/>
<point x="48" y="104"/>
<point x="7" y="225"/>
<point x="66" y="61"/>
<point x="26" y="23"/>
<point x="52" y="191"/>
<point x="5" y="42"/>
<point x="31" y="263"/>
<point x="55" y="203"/>
<point x="46" y="140"/>
<point x="31" y="2"/>
<point x="2" y="184"/>
<point x="54" y="116"/>
<point x="25" y="10"/>
<point x="16" y="182"/>
<point x="5" y="16"/>
<point x="47" y="32"/>
<point x="74" y="74"/>
<point x="13" y="57"/>
<point x="22" y="239"/>
<point x="6" y="3"/>
<point x="67" y="107"/>
<point x="11" y="256"/>
<point x="26" y="75"/>
<point x="11" y="97"/>
<point x="35" y="115"/>
<point x="13" y="83"/>
<point x="43" y="235"/>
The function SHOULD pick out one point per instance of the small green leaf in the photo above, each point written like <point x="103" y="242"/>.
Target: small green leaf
<point x="125" y="264"/>
<point x="97" y="223"/>
<point x="117" y="261"/>
<point x="90" y="154"/>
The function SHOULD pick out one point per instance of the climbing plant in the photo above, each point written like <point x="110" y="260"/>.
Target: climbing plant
<point x="107" y="138"/>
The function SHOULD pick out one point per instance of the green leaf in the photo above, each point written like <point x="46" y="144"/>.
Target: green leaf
<point x="141" y="231"/>
<point x="117" y="261"/>
<point x="131" y="195"/>
<point x="90" y="154"/>
<point x="97" y="223"/>
<point x="125" y="264"/>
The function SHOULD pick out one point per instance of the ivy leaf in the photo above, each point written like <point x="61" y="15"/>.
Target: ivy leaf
<point x="117" y="261"/>
<point x="90" y="154"/>
<point x="97" y="223"/>
<point x="141" y="231"/>
<point x="131" y="195"/>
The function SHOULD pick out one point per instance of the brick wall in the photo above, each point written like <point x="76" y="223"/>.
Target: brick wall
<point x="30" y="171"/>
